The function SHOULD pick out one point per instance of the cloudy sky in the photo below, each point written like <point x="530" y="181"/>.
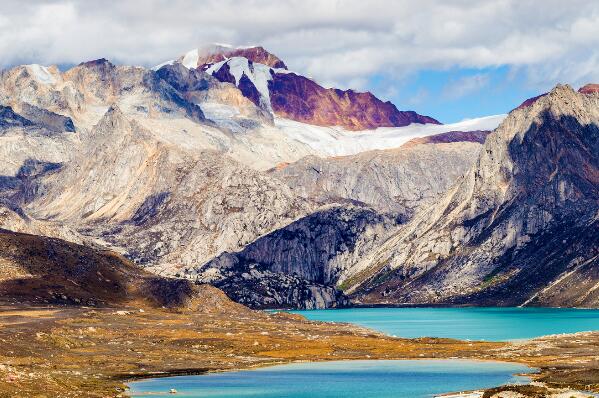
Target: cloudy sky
<point x="450" y="59"/>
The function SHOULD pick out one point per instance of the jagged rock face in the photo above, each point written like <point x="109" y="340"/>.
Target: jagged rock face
<point x="79" y="97"/>
<point x="8" y="119"/>
<point x="128" y="184"/>
<point x="19" y="146"/>
<point x="299" y="98"/>
<point x="518" y="227"/>
<point x="165" y="101"/>
<point x="299" y="264"/>
<point x="31" y="116"/>
<point x="164" y="205"/>
<point x="587" y="89"/>
<point x="23" y="186"/>
<point x="263" y="289"/>
<point x="38" y="86"/>
<point x="102" y="80"/>
<point x="317" y="246"/>
<point x="47" y="119"/>
<point x="200" y="88"/>
<point x="168" y="167"/>
<point x="102" y="83"/>
<point x="186" y="80"/>
<point x="219" y="206"/>
<point x="394" y="181"/>
<point x="321" y="248"/>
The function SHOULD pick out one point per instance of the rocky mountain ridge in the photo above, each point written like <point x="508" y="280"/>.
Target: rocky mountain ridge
<point x="264" y="79"/>
<point x="518" y="229"/>
<point x="188" y="176"/>
<point x="215" y="53"/>
<point x="395" y="181"/>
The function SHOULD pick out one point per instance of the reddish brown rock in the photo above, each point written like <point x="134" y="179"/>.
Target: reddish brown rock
<point x="299" y="98"/>
<point x="255" y="54"/>
<point x="589" y="89"/>
<point x="530" y="101"/>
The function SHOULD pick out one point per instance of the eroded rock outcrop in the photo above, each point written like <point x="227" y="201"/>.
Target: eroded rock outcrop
<point x="519" y="228"/>
<point x="160" y="204"/>
<point x="394" y="181"/>
<point x="301" y="263"/>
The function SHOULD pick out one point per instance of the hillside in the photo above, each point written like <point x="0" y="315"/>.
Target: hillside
<point x="40" y="270"/>
<point x="520" y="228"/>
<point x="181" y="172"/>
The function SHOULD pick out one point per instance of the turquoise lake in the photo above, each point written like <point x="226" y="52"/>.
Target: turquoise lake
<point x="491" y="324"/>
<point x="346" y="379"/>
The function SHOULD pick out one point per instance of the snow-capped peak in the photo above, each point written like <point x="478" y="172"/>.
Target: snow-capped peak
<point x="216" y="52"/>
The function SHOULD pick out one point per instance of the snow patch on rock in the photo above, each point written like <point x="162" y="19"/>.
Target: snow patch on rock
<point x="41" y="74"/>
<point x="258" y="74"/>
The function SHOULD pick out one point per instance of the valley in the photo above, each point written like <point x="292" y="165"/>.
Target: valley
<point x="76" y="321"/>
<point x="148" y="216"/>
<point x="93" y="352"/>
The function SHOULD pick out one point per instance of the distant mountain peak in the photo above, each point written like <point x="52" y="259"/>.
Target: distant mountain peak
<point x="265" y="79"/>
<point x="98" y="62"/>
<point x="511" y="229"/>
<point x="586" y="89"/>
<point x="562" y="100"/>
<point x="214" y="53"/>
<point x="590" y="88"/>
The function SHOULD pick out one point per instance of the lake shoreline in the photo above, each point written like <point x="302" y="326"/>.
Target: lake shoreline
<point x="60" y="350"/>
<point x="501" y="324"/>
<point x="200" y="372"/>
<point x="433" y="367"/>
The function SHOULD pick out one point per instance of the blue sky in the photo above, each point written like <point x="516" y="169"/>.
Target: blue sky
<point x="457" y="93"/>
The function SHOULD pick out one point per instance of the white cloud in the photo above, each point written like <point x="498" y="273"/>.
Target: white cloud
<point x="344" y="42"/>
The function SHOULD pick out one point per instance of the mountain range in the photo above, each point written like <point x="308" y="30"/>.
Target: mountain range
<point x="222" y="166"/>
